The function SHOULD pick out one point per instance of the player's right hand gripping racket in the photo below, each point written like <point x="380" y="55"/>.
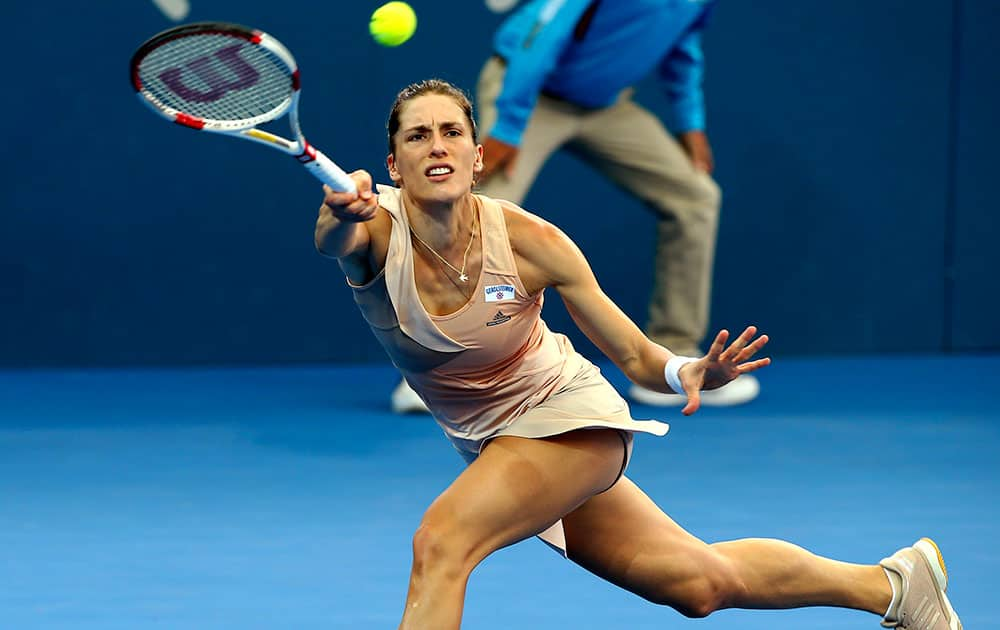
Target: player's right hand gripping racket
<point x="227" y="78"/>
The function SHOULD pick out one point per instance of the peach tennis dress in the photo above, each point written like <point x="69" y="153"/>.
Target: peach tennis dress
<point x="492" y="367"/>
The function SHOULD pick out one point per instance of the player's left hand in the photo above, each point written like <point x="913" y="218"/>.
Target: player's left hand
<point x="721" y="365"/>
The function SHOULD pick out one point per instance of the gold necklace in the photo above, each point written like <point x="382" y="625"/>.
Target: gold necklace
<point x="465" y="257"/>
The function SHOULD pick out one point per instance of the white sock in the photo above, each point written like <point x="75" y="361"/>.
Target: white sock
<point x="896" y="584"/>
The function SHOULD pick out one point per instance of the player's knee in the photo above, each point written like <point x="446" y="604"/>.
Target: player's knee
<point x="699" y="597"/>
<point x="700" y="603"/>
<point x="436" y="549"/>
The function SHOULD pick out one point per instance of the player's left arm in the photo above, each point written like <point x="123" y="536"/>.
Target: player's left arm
<point x="547" y="257"/>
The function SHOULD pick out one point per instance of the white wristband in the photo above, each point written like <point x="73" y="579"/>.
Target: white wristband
<point x="672" y="372"/>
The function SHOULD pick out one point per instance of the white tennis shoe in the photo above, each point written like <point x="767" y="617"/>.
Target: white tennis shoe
<point x="919" y="580"/>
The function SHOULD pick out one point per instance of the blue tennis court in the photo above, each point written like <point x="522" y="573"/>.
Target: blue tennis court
<point x="286" y="497"/>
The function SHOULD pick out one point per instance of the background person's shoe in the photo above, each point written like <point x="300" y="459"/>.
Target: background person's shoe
<point x="405" y="400"/>
<point x="640" y="394"/>
<point x="919" y="581"/>
<point x="741" y="390"/>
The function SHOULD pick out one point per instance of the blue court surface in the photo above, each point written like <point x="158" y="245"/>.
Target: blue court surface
<point x="286" y="497"/>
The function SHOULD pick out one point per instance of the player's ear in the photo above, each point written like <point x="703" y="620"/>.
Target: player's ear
<point x="478" y="165"/>
<point x="390" y="164"/>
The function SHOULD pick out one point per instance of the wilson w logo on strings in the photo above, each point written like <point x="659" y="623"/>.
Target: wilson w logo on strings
<point x="239" y="75"/>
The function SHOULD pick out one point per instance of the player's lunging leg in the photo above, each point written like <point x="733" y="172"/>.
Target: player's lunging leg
<point x="622" y="536"/>
<point x="517" y="488"/>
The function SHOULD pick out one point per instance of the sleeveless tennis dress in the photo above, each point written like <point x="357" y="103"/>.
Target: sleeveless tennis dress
<point x="491" y="368"/>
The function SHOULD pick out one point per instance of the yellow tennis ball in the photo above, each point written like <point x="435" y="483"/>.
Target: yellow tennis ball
<point x="393" y="23"/>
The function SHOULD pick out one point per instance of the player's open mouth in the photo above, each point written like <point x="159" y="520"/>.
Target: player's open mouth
<point x="439" y="173"/>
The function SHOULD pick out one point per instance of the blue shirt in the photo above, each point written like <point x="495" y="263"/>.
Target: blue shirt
<point x="589" y="61"/>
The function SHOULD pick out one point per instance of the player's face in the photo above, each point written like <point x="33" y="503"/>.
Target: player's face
<point x="436" y="157"/>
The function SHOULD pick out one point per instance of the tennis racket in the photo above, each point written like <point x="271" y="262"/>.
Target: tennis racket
<point x="228" y="79"/>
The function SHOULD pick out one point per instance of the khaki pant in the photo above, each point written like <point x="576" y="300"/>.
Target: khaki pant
<point x="630" y="146"/>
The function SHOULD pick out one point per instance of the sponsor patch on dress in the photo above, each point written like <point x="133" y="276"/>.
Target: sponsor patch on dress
<point x="499" y="292"/>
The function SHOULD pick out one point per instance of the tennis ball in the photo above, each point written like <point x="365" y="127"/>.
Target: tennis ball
<point x="393" y="23"/>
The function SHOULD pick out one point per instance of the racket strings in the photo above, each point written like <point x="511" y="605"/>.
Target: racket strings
<point x="217" y="77"/>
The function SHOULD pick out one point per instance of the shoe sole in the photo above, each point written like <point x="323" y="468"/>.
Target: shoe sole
<point x="935" y="560"/>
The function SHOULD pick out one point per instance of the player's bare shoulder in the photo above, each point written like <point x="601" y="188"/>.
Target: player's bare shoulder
<point x="530" y="234"/>
<point x="543" y="253"/>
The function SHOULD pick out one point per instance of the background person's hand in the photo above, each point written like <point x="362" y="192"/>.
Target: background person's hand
<point x="699" y="150"/>
<point x="721" y="365"/>
<point x="497" y="156"/>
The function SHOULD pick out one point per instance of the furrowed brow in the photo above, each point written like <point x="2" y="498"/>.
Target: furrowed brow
<point x="444" y="125"/>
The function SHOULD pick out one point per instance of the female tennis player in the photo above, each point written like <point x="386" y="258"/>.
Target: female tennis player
<point x="451" y="283"/>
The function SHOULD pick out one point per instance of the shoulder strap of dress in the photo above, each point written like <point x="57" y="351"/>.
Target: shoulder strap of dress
<point x="498" y="258"/>
<point x="400" y="283"/>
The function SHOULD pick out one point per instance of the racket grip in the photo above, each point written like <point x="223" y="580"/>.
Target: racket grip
<point x="329" y="173"/>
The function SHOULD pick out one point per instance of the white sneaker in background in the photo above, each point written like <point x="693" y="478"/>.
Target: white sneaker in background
<point x="405" y="400"/>
<point x="644" y="396"/>
<point x="741" y="390"/>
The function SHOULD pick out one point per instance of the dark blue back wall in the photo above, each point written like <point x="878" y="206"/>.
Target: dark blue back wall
<point x="853" y="143"/>
<point x="974" y="237"/>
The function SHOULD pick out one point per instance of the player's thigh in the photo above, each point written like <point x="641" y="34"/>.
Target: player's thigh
<point x="622" y="536"/>
<point x="519" y="487"/>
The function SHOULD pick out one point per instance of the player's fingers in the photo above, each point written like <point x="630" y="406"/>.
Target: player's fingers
<point x="752" y="349"/>
<point x="371" y="207"/>
<point x="361" y="208"/>
<point x="718" y="345"/>
<point x="753" y="365"/>
<point x="363" y="182"/>
<point x="362" y="179"/>
<point x="693" y="402"/>
<point x="336" y="199"/>
<point x="739" y="343"/>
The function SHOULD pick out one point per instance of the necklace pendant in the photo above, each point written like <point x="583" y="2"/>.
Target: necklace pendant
<point x="463" y="278"/>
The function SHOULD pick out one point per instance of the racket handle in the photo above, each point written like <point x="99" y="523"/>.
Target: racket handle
<point x="329" y="173"/>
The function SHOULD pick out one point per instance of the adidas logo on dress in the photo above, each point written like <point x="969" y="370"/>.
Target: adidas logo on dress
<point x="499" y="318"/>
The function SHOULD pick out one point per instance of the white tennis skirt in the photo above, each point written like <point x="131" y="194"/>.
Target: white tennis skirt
<point x="587" y="401"/>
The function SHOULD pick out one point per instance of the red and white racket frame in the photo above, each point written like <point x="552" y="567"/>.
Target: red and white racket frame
<point x="322" y="167"/>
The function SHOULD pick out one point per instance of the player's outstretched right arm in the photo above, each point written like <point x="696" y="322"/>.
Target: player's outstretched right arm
<point x="340" y="229"/>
